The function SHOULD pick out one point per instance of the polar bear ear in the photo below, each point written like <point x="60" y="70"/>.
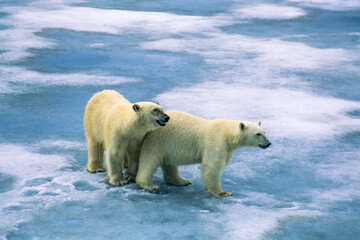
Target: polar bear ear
<point x="136" y="107"/>
<point x="258" y="123"/>
<point x="242" y="126"/>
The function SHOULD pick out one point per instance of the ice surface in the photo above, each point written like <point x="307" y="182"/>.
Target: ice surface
<point x="267" y="11"/>
<point x="337" y="5"/>
<point x="24" y="167"/>
<point x="25" y="22"/>
<point x="286" y="113"/>
<point x="292" y="64"/>
<point x="62" y="144"/>
<point x="107" y="21"/>
<point x="244" y="222"/>
<point x="16" y="42"/>
<point x="227" y="49"/>
<point x="17" y="79"/>
<point x="36" y="182"/>
<point x="41" y="184"/>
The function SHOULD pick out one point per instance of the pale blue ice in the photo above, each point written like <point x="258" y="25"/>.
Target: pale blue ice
<point x="293" y="64"/>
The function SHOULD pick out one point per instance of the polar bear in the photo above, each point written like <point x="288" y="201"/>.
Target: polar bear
<point x="188" y="139"/>
<point x="117" y="126"/>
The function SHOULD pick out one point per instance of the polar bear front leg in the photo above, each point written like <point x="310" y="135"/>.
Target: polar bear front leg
<point x="133" y="162"/>
<point x="211" y="172"/>
<point x="172" y="176"/>
<point x="114" y="164"/>
<point x="147" y="169"/>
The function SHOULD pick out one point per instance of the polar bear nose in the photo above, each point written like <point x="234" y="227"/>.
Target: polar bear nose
<point x="166" y="118"/>
<point x="267" y="145"/>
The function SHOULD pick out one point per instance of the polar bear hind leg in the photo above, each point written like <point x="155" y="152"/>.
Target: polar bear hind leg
<point x="95" y="156"/>
<point x="133" y="163"/>
<point x="172" y="176"/>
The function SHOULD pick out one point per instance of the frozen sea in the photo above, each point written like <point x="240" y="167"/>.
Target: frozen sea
<point x="293" y="64"/>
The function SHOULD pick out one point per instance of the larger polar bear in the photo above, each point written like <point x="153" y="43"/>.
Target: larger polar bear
<point x="188" y="139"/>
<point x="114" y="124"/>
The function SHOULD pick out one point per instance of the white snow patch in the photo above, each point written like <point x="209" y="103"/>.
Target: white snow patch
<point x="284" y="113"/>
<point x="108" y="21"/>
<point x="344" y="180"/>
<point x="322" y="198"/>
<point x="251" y="222"/>
<point x="334" y="5"/>
<point x="62" y="144"/>
<point x="24" y="22"/>
<point x="99" y="45"/>
<point x="17" y="79"/>
<point x="16" y="42"/>
<point x="52" y="4"/>
<point x="345" y="172"/>
<point x="38" y="183"/>
<point x="18" y="161"/>
<point x="269" y="11"/>
<point x="234" y="50"/>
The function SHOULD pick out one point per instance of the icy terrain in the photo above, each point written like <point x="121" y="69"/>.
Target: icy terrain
<point x="293" y="64"/>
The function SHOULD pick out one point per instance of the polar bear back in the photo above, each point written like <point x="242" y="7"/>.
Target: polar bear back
<point x="96" y="111"/>
<point x="186" y="138"/>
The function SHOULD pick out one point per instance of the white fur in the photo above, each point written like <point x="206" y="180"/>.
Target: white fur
<point x="113" y="124"/>
<point x="188" y="139"/>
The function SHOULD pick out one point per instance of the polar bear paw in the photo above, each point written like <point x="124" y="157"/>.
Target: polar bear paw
<point x="179" y="181"/>
<point x="130" y="176"/>
<point x="95" y="169"/>
<point x="149" y="186"/>
<point x="224" y="194"/>
<point x="118" y="182"/>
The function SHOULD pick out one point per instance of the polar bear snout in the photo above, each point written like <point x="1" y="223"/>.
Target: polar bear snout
<point x="162" y="121"/>
<point x="266" y="145"/>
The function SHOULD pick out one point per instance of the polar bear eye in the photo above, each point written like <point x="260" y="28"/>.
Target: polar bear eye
<point x="258" y="134"/>
<point x="155" y="110"/>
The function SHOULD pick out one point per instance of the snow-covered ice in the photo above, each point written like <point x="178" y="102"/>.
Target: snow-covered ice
<point x="292" y="64"/>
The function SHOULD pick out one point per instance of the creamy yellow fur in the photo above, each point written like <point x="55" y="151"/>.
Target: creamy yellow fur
<point x="117" y="126"/>
<point x="188" y="139"/>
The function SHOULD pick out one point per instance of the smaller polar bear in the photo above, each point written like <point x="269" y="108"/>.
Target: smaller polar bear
<point x="188" y="139"/>
<point x="114" y="124"/>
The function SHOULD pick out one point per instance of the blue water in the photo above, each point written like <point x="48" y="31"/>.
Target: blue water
<point x="293" y="64"/>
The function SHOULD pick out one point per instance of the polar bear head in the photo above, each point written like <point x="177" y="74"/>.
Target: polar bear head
<point x="253" y="135"/>
<point x="151" y="114"/>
